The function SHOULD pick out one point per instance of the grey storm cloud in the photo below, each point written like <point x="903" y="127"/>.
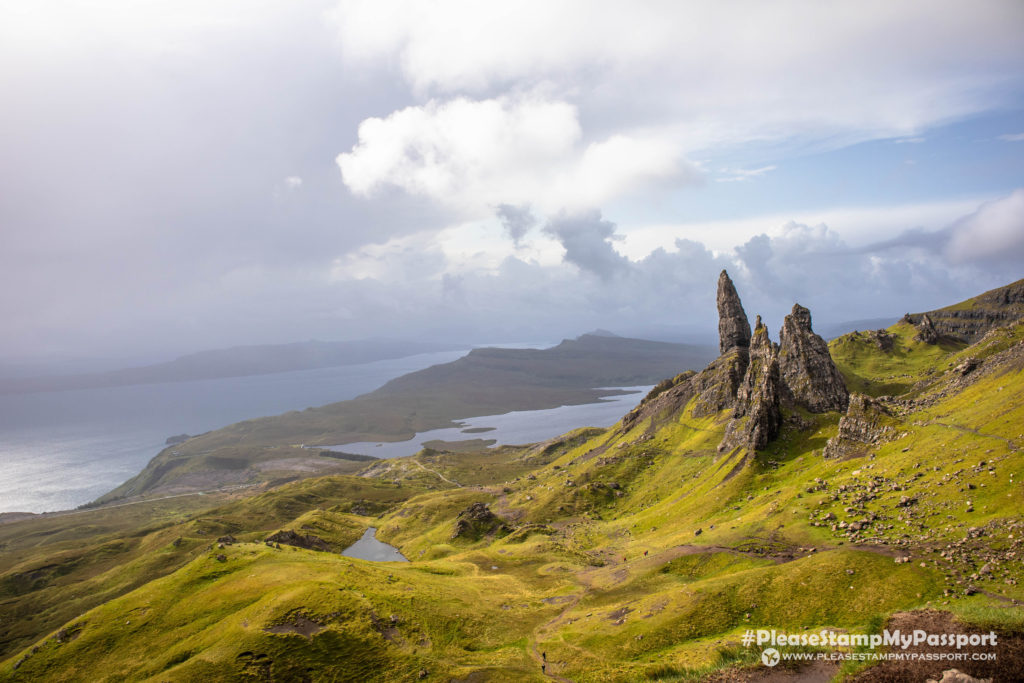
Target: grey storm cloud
<point x="993" y="234"/>
<point x="151" y="200"/>
<point x="913" y="238"/>
<point x="516" y="220"/>
<point x="586" y="239"/>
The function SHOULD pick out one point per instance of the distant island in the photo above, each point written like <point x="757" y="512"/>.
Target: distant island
<point x="237" y="361"/>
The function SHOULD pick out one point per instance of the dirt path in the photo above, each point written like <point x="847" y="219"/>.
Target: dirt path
<point x="971" y="430"/>
<point x="437" y="474"/>
<point x="534" y="637"/>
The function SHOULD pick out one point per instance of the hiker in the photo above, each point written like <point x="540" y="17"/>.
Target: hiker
<point x="544" y="655"/>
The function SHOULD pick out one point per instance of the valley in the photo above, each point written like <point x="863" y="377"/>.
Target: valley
<point x="793" y="485"/>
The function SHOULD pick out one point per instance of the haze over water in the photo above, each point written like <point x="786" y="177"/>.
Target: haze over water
<point x="61" y="449"/>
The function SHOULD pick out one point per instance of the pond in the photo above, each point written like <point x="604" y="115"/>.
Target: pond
<point x="369" y="548"/>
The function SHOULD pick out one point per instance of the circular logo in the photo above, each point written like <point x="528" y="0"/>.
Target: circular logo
<point x="770" y="657"/>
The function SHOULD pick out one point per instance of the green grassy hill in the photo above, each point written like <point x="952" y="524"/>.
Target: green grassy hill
<point x="635" y="553"/>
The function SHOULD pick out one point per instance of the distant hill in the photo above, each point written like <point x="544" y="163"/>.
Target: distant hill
<point x="238" y="361"/>
<point x="486" y="381"/>
<point x="839" y="329"/>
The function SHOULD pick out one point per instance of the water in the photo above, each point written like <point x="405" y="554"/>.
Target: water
<point x="60" y="449"/>
<point x="369" y="548"/>
<point x="525" y="426"/>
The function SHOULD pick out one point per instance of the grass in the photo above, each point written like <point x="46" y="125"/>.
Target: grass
<point x="639" y="554"/>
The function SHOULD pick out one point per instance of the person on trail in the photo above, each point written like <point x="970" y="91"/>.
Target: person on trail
<point x="544" y="655"/>
<point x="543" y="668"/>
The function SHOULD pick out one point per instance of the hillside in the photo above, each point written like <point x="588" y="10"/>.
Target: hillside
<point x="487" y="381"/>
<point x="969" y="320"/>
<point x="791" y="485"/>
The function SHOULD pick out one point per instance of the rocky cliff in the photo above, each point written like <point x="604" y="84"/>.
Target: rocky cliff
<point x="809" y="377"/>
<point x="969" y="320"/>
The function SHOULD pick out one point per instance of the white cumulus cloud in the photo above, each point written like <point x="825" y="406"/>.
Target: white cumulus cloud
<point x="475" y="155"/>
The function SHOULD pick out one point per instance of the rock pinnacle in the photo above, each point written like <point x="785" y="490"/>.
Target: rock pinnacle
<point x="733" y="326"/>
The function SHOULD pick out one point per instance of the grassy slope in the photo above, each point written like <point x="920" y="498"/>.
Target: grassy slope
<point x="606" y="571"/>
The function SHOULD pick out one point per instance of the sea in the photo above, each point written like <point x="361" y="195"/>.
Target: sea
<point x="61" y="449"/>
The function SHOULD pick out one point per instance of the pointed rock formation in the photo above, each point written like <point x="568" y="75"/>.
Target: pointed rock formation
<point x="810" y="377"/>
<point x="756" y="413"/>
<point x="733" y="326"/>
<point x="714" y="388"/>
<point x="926" y="331"/>
<point x="753" y="378"/>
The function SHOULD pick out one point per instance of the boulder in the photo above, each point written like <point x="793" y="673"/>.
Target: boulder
<point x="477" y="521"/>
<point x="308" y="541"/>
<point x="926" y="331"/>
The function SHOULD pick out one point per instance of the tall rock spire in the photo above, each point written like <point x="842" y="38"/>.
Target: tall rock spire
<point x="733" y="326"/>
<point x="756" y="416"/>
<point x="807" y="370"/>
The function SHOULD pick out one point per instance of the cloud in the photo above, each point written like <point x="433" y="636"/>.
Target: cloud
<point x="740" y="174"/>
<point x="516" y="220"/>
<point x="992" y="234"/>
<point x="881" y="70"/>
<point x="586" y="239"/>
<point x="1012" y="137"/>
<point x="475" y="154"/>
<point x="293" y="182"/>
<point x="914" y="238"/>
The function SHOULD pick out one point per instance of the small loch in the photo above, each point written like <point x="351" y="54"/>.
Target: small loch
<point x="369" y="548"/>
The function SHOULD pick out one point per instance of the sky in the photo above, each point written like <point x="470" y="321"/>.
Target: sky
<point x="178" y="175"/>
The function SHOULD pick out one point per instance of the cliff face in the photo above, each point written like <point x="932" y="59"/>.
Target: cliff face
<point x="756" y="415"/>
<point x="809" y="376"/>
<point x="969" y="320"/>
